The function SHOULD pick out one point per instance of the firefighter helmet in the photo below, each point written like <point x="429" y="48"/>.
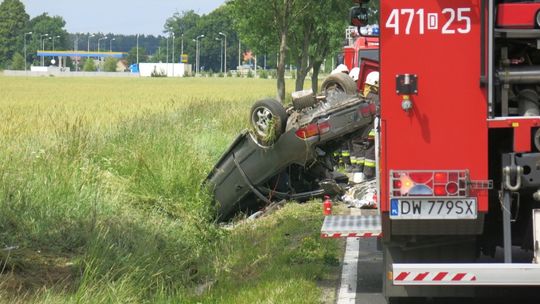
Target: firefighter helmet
<point x="340" y="69"/>
<point x="355" y="74"/>
<point x="372" y="83"/>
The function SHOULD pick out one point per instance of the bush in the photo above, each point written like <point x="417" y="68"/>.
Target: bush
<point x="110" y="64"/>
<point x="221" y="75"/>
<point x="263" y="74"/>
<point x="17" y="62"/>
<point x="238" y="73"/>
<point x="229" y="74"/>
<point x="160" y="73"/>
<point x="273" y="74"/>
<point x="250" y="74"/>
<point x="89" y="65"/>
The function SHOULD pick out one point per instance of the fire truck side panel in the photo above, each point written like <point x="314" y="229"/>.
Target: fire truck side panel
<point x="438" y="42"/>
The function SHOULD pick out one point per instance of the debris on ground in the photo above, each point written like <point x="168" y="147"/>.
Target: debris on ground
<point x="270" y="209"/>
<point x="362" y="195"/>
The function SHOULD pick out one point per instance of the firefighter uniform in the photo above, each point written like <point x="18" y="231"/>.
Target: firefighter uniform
<point x="369" y="161"/>
<point x="363" y="146"/>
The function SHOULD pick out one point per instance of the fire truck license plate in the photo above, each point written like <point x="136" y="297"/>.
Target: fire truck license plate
<point x="433" y="209"/>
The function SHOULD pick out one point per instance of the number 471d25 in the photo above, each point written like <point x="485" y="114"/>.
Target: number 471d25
<point x="430" y="21"/>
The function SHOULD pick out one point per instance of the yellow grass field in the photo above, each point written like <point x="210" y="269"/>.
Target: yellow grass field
<point x="40" y="105"/>
<point x="101" y="198"/>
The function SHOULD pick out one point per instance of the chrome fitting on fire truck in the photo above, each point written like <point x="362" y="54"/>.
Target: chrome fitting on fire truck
<point x="406" y="103"/>
<point x="512" y="172"/>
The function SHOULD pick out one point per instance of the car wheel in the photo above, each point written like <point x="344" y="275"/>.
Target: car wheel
<point x="268" y="119"/>
<point x="303" y="99"/>
<point x="339" y="83"/>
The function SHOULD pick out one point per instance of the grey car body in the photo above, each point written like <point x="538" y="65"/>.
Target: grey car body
<point x="249" y="174"/>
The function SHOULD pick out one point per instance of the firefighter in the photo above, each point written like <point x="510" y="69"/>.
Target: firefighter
<point x="371" y="92"/>
<point x="363" y="146"/>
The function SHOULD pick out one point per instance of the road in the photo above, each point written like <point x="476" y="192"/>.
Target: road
<point x="369" y="282"/>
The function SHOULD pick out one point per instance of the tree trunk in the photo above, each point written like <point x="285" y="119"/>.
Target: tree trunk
<point x="315" y="76"/>
<point x="281" y="67"/>
<point x="300" y="76"/>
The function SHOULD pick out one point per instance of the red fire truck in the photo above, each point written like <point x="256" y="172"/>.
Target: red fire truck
<point x="458" y="148"/>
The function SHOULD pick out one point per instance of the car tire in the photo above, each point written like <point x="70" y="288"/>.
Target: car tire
<point x="339" y="83"/>
<point x="268" y="120"/>
<point x="303" y="99"/>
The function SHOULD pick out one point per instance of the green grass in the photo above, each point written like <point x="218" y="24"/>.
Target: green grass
<point x="100" y="193"/>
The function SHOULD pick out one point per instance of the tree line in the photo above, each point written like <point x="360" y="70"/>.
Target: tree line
<point x="271" y="34"/>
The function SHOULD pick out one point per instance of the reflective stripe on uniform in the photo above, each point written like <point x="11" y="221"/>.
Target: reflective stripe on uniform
<point x="371" y="134"/>
<point x="345" y="153"/>
<point x="369" y="163"/>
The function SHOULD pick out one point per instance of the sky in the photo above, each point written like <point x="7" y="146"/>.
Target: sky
<point x="117" y="16"/>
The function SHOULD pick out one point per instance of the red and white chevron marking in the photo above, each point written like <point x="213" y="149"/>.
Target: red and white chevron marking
<point x="434" y="277"/>
<point x="352" y="235"/>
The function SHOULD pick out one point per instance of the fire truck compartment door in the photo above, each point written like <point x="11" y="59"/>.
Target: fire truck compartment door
<point x="439" y="42"/>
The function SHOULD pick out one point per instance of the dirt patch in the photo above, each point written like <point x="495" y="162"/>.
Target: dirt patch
<point x="25" y="272"/>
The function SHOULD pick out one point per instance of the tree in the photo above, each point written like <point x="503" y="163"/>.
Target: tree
<point x="13" y="23"/>
<point x="110" y="64"/>
<point x="47" y="25"/>
<point x="331" y="19"/>
<point x="89" y="65"/>
<point x="269" y="22"/>
<point x="17" y="63"/>
<point x="132" y="55"/>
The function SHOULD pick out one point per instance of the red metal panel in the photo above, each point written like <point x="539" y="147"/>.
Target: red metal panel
<point x="348" y="57"/>
<point x="522" y="130"/>
<point x="517" y="15"/>
<point x="447" y="128"/>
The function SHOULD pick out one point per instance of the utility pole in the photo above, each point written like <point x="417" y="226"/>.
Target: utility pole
<point x="90" y="36"/>
<point x="221" y="54"/>
<point x="110" y="44"/>
<point x="173" y="57"/>
<point x="225" y="48"/>
<point x="76" y="49"/>
<point x="198" y="53"/>
<point x="43" y="48"/>
<point x="137" y="49"/>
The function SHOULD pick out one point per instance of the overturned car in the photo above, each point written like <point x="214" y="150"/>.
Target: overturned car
<point x="289" y="152"/>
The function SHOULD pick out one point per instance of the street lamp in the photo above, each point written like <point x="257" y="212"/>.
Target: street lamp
<point x="137" y="49"/>
<point x="182" y="46"/>
<point x="102" y="38"/>
<point x="54" y="37"/>
<point x="221" y="56"/>
<point x="225" y="48"/>
<point x="197" y="65"/>
<point x="110" y="44"/>
<point x="89" y="41"/>
<point x="76" y="49"/>
<point x="98" y="50"/>
<point x="173" y="58"/>
<point x="43" y="48"/>
<point x="29" y="33"/>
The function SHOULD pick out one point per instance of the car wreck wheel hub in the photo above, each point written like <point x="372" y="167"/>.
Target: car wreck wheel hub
<point x="262" y="120"/>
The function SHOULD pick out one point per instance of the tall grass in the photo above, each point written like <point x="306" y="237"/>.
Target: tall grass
<point x="100" y="194"/>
